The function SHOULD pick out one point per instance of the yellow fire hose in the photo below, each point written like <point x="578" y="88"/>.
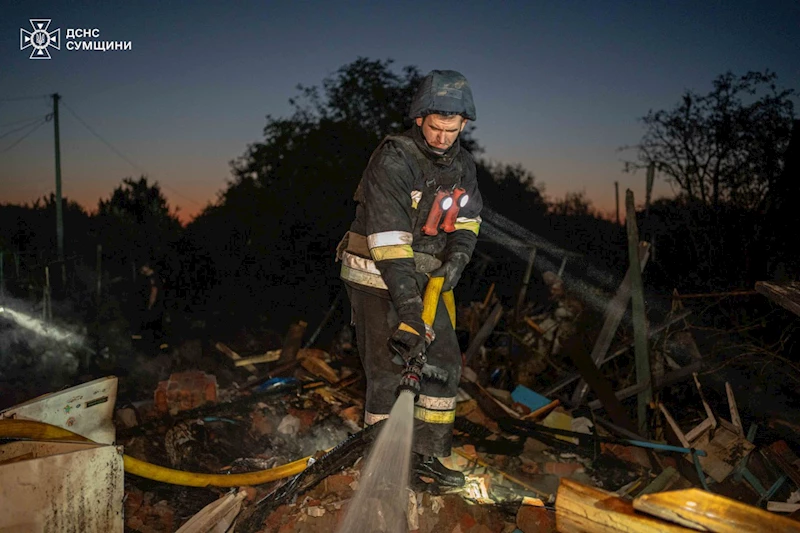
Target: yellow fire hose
<point x="430" y="302"/>
<point x="30" y="429"/>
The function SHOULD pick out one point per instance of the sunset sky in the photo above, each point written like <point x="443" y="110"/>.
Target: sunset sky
<point x="558" y="86"/>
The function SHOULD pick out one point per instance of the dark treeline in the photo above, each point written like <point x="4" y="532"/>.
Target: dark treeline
<point x="264" y="249"/>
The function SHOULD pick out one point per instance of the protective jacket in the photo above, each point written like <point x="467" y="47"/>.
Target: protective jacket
<point x="385" y="246"/>
<point x="385" y="261"/>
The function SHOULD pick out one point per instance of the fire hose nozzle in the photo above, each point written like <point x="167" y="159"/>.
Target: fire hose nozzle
<point x="412" y="376"/>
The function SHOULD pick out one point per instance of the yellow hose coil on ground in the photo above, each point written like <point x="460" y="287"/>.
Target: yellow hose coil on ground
<point x="31" y="429"/>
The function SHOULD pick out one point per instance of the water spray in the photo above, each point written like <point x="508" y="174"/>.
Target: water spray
<point x="381" y="501"/>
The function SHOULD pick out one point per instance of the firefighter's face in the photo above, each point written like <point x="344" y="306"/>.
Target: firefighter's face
<point x="441" y="131"/>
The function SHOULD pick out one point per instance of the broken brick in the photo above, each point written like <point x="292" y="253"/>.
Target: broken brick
<point x="339" y="484"/>
<point x="306" y="417"/>
<point x="532" y="519"/>
<point x="184" y="391"/>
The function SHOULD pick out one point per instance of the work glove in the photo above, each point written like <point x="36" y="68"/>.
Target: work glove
<point x="408" y="340"/>
<point x="435" y="373"/>
<point x="451" y="270"/>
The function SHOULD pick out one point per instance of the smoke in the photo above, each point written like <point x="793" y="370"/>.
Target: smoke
<point x="37" y="356"/>
<point x="591" y="283"/>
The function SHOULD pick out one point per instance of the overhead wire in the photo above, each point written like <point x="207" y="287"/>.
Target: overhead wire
<point x="123" y="156"/>
<point x="20" y="98"/>
<point x="36" y="126"/>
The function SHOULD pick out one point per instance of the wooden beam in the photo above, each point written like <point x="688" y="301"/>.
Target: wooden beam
<point x="735" y="418"/>
<point x="266" y="357"/>
<point x="786" y="295"/>
<point x="601" y="387"/>
<point x="651" y="332"/>
<point x="614" y="313"/>
<point x="235" y="357"/>
<point x="581" y="509"/>
<point x="644" y="375"/>
<point x="706" y="511"/>
<point x="676" y="376"/>
<point x="483" y="334"/>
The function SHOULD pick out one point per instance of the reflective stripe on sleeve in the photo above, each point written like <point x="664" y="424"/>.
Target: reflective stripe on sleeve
<point x="399" y="251"/>
<point x="416" y="196"/>
<point x="389" y="238"/>
<point x="471" y="224"/>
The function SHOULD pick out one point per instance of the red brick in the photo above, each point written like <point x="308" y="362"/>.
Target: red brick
<point x="466" y="522"/>
<point x="532" y="519"/>
<point x="306" y="417"/>
<point x="185" y="390"/>
<point x="339" y="484"/>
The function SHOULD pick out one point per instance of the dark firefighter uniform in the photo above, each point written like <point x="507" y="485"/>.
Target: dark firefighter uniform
<point x="386" y="259"/>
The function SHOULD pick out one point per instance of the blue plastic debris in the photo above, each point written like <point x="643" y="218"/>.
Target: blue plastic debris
<point x="529" y="398"/>
<point x="276" y="383"/>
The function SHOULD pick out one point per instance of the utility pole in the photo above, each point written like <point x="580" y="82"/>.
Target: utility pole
<point x="616" y="194"/>
<point x="59" y="214"/>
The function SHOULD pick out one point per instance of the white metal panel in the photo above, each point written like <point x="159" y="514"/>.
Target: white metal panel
<point x="86" y="409"/>
<point x="61" y="487"/>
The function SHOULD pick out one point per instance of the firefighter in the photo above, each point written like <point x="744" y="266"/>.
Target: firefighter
<point x="417" y="216"/>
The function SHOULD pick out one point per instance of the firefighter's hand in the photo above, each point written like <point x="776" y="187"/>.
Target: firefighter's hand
<point x="434" y="373"/>
<point x="451" y="270"/>
<point x="407" y="342"/>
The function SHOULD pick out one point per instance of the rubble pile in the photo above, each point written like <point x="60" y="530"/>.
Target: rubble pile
<point x="541" y="434"/>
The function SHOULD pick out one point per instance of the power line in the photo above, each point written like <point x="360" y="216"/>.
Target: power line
<point x="20" y="121"/>
<point x="19" y="98"/>
<point x="36" y="127"/>
<point x="123" y="156"/>
<point x="26" y="125"/>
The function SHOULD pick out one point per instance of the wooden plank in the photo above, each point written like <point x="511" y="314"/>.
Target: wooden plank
<point x="706" y="406"/>
<point x="266" y="357"/>
<point x="651" y="332"/>
<point x="735" y="419"/>
<point x="662" y="482"/>
<point x="523" y="290"/>
<point x="786" y="295"/>
<point x="644" y="374"/>
<point x="671" y="378"/>
<point x="235" y="357"/>
<point x="580" y="508"/>
<point x="674" y="425"/>
<point x="601" y="387"/>
<point x="783" y="507"/>
<point x="785" y="459"/>
<point x="614" y="313"/>
<point x="542" y="411"/>
<point x="484" y="332"/>
<point x="292" y="342"/>
<point x="706" y="511"/>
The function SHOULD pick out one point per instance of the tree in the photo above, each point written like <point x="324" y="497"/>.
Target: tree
<point x="135" y="223"/>
<point x="573" y="204"/>
<point x="724" y="146"/>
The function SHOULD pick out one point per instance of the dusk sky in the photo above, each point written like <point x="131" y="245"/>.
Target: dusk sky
<point x="559" y="86"/>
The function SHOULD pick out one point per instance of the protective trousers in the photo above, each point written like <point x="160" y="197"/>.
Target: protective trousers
<point x="434" y="413"/>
